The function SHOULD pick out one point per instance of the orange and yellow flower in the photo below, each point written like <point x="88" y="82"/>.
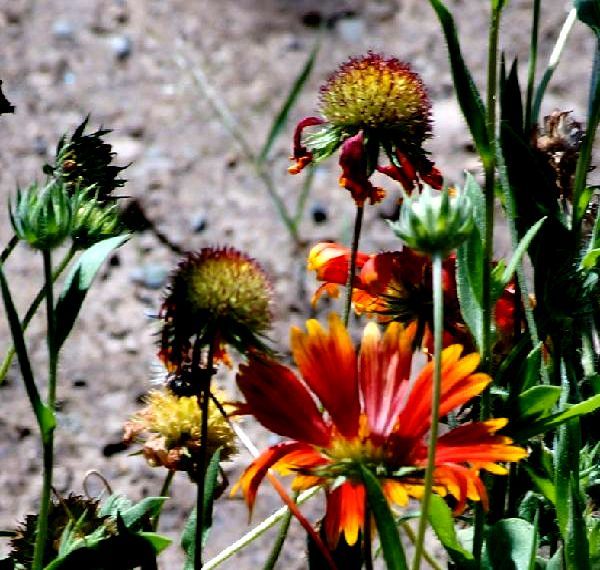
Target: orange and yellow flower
<point x="374" y="416"/>
<point x="396" y="286"/>
<point x="370" y="103"/>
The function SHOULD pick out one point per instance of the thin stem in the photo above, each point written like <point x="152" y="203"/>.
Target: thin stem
<point x="280" y="540"/>
<point x="438" y="327"/>
<point x="488" y="250"/>
<point x="410" y="533"/>
<point x="304" y="193"/>
<point x="205" y="377"/>
<point x="533" y="50"/>
<point x="352" y="268"/>
<point x="10" y="246"/>
<point x="163" y="493"/>
<point x="5" y="365"/>
<point x="48" y="436"/>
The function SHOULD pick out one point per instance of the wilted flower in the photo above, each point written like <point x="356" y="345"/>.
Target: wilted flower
<point x="374" y="418"/>
<point x="169" y="427"/>
<point x="218" y="296"/>
<point x="434" y="224"/>
<point x="396" y="286"/>
<point x="370" y="104"/>
<point x="69" y="510"/>
<point x="42" y="216"/>
<point x="85" y="161"/>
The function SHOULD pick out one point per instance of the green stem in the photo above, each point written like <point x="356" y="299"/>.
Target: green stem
<point x="163" y="493"/>
<point x="438" y="328"/>
<point x="205" y="377"/>
<point x="352" y="268"/>
<point x="10" y="246"/>
<point x="488" y="250"/>
<point x="410" y="533"/>
<point x="533" y="50"/>
<point x="280" y="540"/>
<point x="48" y="436"/>
<point x="5" y="365"/>
<point x="304" y="193"/>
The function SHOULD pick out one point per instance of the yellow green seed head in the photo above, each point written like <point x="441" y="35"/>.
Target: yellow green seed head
<point x="215" y="294"/>
<point x="377" y="93"/>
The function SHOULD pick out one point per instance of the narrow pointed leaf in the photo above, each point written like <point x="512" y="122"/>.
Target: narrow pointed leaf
<point x="467" y="93"/>
<point x="393" y="552"/>
<point x="78" y="283"/>
<point x="281" y="118"/>
<point x="442" y="522"/>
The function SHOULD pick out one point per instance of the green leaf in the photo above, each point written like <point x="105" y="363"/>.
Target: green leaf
<point x="158" y="541"/>
<point x="517" y="257"/>
<point x="533" y="366"/>
<point x="469" y="265"/>
<point x="78" y="282"/>
<point x="281" y="118"/>
<point x="141" y="512"/>
<point x="509" y="544"/>
<point x="590" y="259"/>
<point x="393" y="552"/>
<point x="188" y="537"/>
<point x="543" y="483"/>
<point x="538" y="401"/>
<point x="576" y="544"/>
<point x="594" y="540"/>
<point x="467" y="93"/>
<point x="545" y="424"/>
<point x="44" y="415"/>
<point x="442" y="522"/>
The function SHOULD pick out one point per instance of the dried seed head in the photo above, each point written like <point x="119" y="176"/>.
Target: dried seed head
<point x="377" y="93"/>
<point x="215" y="294"/>
<point x="169" y="427"/>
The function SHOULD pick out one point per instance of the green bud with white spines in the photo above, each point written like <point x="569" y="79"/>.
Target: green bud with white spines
<point x="42" y="216"/>
<point x="434" y="222"/>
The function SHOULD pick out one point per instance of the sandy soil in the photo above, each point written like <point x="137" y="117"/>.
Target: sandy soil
<point x="116" y="59"/>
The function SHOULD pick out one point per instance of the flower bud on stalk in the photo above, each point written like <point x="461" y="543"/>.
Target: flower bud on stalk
<point x="434" y="223"/>
<point x="42" y="217"/>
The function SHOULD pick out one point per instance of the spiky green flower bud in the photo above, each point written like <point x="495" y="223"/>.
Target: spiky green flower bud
<point x="42" y="216"/>
<point x="93" y="220"/>
<point x="435" y="223"/>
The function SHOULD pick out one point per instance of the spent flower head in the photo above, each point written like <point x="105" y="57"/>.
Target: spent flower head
<point x="435" y="223"/>
<point x="169" y="427"/>
<point x="371" y="104"/>
<point x="217" y="297"/>
<point x="42" y="216"/>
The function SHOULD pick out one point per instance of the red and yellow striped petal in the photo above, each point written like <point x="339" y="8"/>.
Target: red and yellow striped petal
<point x="345" y="513"/>
<point x="327" y="362"/>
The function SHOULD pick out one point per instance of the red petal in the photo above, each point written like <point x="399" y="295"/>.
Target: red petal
<point x="281" y="403"/>
<point x="301" y="154"/>
<point x="345" y="513"/>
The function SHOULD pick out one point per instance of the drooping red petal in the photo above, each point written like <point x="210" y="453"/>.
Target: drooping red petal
<point x="327" y="362"/>
<point x="301" y="155"/>
<point x="384" y="370"/>
<point x="281" y="403"/>
<point x="330" y="261"/>
<point x="345" y="513"/>
<point x="355" y="178"/>
<point x="256" y="471"/>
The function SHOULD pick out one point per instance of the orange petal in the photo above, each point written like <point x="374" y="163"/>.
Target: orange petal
<point x="345" y="513"/>
<point x="327" y="362"/>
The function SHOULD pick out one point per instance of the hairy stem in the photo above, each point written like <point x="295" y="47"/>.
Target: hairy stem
<point x="31" y="311"/>
<point x="352" y="265"/>
<point x="163" y="493"/>
<point x="438" y="328"/>
<point x="47" y="435"/>
<point x="533" y="50"/>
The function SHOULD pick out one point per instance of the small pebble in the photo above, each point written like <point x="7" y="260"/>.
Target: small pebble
<point x="318" y="213"/>
<point x="199" y="223"/>
<point x="351" y="30"/>
<point x="80" y="383"/>
<point x="111" y="449"/>
<point x="69" y="78"/>
<point x="39" y="146"/>
<point x="115" y="260"/>
<point x="121" y="47"/>
<point x="63" y="30"/>
<point x="150" y="276"/>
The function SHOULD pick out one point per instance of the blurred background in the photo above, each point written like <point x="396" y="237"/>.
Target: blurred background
<point x="190" y="90"/>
